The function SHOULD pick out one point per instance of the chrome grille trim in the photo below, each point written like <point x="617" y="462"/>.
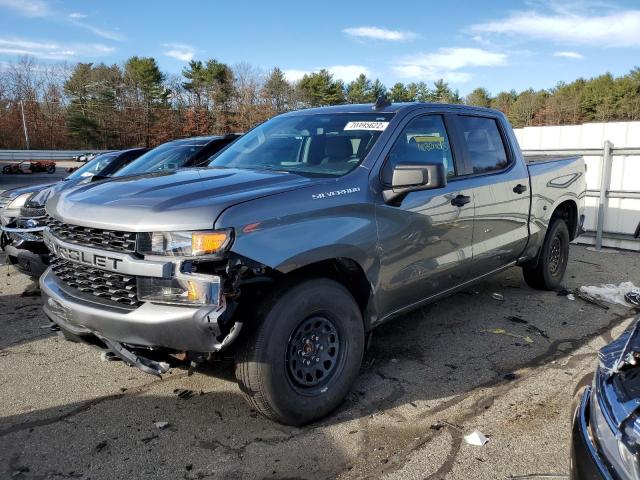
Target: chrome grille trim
<point x="104" y="285"/>
<point x="93" y="237"/>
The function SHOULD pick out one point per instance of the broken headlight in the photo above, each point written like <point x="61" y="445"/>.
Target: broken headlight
<point x="181" y="290"/>
<point x="185" y="244"/>
<point x="608" y="437"/>
<point x="19" y="201"/>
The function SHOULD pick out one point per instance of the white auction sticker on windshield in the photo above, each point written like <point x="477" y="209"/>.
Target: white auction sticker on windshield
<point x="377" y="126"/>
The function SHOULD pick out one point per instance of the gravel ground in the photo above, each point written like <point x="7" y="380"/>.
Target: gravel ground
<point x="460" y="364"/>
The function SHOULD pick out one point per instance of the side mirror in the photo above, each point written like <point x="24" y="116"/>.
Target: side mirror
<point x="411" y="177"/>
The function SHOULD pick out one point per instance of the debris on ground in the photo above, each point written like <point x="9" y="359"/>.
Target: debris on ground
<point x="571" y="296"/>
<point x="534" y="476"/>
<point x="590" y="299"/>
<point x="539" y="331"/>
<point x="184" y="394"/>
<point x="148" y="439"/>
<point x="109" y="356"/>
<point x="161" y="425"/>
<point x="476" y="438"/>
<point x="502" y="331"/>
<point x="610" y="293"/>
<point x="31" y="293"/>
<point x="100" y="446"/>
<point x="515" y="319"/>
<point x="497" y="296"/>
<point x="510" y="376"/>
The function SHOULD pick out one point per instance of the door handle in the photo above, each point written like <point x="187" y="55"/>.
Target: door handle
<point x="460" y="200"/>
<point x="520" y="188"/>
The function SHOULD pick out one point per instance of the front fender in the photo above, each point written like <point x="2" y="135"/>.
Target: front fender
<point x="286" y="244"/>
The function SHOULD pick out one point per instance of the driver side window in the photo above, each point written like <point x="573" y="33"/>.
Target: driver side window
<point x="423" y="140"/>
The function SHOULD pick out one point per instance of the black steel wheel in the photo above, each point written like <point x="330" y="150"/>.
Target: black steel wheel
<point x="314" y="352"/>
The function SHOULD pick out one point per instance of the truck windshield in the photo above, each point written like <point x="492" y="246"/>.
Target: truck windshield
<point x="95" y="166"/>
<point x="321" y="144"/>
<point x="167" y="156"/>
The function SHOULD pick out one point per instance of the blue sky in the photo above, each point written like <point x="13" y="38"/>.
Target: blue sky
<point x="498" y="45"/>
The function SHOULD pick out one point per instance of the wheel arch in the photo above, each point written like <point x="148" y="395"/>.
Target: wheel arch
<point x="568" y="211"/>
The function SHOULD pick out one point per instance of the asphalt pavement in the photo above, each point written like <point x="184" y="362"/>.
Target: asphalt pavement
<point x="510" y="368"/>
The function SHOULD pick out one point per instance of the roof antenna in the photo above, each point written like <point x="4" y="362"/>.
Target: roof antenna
<point x="382" y="102"/>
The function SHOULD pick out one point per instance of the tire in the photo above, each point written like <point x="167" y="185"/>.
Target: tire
<point x="547" y="273"/>
<point x="6" y="169"/>
<point x="276" y="366"/>
<point x="51" y="169"/>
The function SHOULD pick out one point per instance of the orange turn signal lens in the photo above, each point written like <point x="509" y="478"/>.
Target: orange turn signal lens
<point x="204" y="243"/>
<point x="192" y="292"/>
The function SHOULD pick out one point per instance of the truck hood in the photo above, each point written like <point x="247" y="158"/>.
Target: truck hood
<point x="189" y="199"/>
<point x="40" y="198"/>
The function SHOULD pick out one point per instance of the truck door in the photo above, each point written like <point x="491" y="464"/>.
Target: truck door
<point x="499" y="180"/>
<point x="425" y="239"/>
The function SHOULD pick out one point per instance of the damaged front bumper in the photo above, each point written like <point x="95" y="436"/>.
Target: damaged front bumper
<point x="150" y="326"/>
<point x="26" y="250"/>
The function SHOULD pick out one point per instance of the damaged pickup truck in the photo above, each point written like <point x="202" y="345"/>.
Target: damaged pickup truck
<point x="300" y="238"/>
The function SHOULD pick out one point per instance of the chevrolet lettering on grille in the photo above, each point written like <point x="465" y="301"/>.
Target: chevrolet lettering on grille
<point x="118" y="262"/>
<point x="89" y="258"/>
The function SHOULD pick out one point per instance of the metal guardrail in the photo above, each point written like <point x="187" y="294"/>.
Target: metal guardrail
<point x="607" y="152"/>
<point x="20" y="155"/>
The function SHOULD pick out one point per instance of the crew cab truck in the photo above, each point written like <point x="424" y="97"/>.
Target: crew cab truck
<point x="301" y="237"/>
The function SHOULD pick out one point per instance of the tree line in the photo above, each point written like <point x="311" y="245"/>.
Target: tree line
<point x="87" y="105"/>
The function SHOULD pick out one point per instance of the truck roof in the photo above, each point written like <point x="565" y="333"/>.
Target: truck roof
<point x="392" y="108"/>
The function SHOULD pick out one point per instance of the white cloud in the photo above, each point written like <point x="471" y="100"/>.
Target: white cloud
<point x="378" y="33"/>
<point x="78" y="15"/>
<point x="179" y="51"/>
<point x="562" y="25"/>
<point x="348" y="73"/>
<point x="446" y="63"/>
<point x="293" y="75"/>
<point x="52" y="50"/>
<point x="455" y="58"/>
<point x="100" y="32"/>
<point x="29" y="8"/>
<point x="567" y="54"/>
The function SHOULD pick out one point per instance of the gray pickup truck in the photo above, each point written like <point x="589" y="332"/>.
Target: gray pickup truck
<point x="301" y="237"/>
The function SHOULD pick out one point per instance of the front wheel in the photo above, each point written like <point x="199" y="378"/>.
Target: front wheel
<point x="6" y="169"/>
<point x="51" y="169"/>
<point x="549" y="270"/>
<point x="304" y="354"/>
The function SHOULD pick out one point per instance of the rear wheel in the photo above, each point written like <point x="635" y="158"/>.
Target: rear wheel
<point x="549" y="270"/>
<point x="51" y="169"/>
<point x="304" y="353"/>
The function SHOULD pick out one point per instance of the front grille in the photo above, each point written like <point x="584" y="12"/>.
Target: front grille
<point x="109" y="286"/>
<point x="93" y="237"/>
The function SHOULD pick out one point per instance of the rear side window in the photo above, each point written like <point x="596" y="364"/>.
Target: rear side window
<point x="484" y="144"/>
<point x="423" y="140"/>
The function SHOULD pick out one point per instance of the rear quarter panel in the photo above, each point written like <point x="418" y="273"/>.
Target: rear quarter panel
<point x="554" y="181"/>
